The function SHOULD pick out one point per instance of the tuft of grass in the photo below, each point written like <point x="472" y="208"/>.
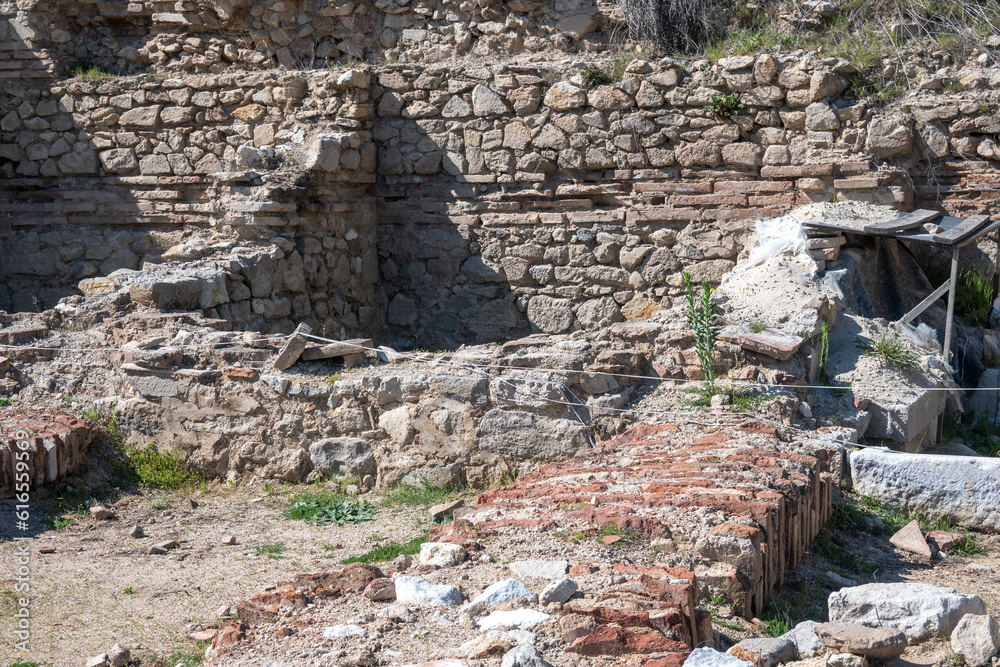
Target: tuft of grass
<point x="62" y="523"/>
<point x="974" y="296"/>
<point x="388" y="552"/>
<point x="323" y="508"/>
<point x="128" y="590"/>
<point x="626" y="534"/>
<point x="420" y="496"/>
<point x="90" y="72"/>
<point x="756" y="326"/>
<point x="272" y="551"/>
<point x="159" y="504"/>
<point x="748" y="399"/>
<point x="891" y="350"/>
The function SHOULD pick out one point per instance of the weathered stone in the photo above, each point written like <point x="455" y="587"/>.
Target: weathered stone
<point x="558" y="591"/>
<point x="919" y="610"/>
<point x="910" y="538"/>
<point x="564" y="96"/>
<point x="416" y="591"/>
<point x="119" y="160"/>
<point x="524" y="655"/>
<point x="709" y="657"/>
<point x="550" y="315"/>
<point x="502" y="592"/>
<point x="598" y="313"/>
<point x="442" y="554"/>
<point x="518" y="618"/>
<point x="380" y="590"/>
<point x="293" y="348"/>
<point x="334" y="457"/>
<point x="765" y="651"/>
<point x="889" y="136"/>
<point x="485" y="102"/>
<point x="964" y="489"/>
<point x="874" y="643"/>
<point x="976" y="638"/>
<point x="529" y="436"/>
<point x="141" y="118"/>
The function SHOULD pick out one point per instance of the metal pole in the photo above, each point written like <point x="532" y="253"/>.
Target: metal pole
<point x="951" y="304"/>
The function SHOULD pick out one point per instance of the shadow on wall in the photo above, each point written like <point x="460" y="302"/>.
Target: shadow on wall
<point x="51" y="169"/>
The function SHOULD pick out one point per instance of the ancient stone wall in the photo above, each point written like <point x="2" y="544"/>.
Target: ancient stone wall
<point x="198" y="36"/>
<point x="500" y="199"/>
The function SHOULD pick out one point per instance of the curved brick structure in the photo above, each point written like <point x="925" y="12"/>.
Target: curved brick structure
<point x="57" y="442"/>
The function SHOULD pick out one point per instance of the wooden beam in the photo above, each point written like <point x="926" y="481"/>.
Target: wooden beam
<point x="967" y="226"/>
<point x="902" y="223"/>
<point x="352" y="346"/>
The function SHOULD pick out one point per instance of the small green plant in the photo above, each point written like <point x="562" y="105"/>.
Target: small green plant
<point x="777" y="626"/>
<point x="984" y="108"/>
<point x="272" y="551"/>
<point x="726" y="106"/>
<point x="750" y="399"/>
<point x="159" y="504"/>
<point x="756" y="326"/>
<point x="420" y="496"/>
<point x="718" y="600"/>
<point x="891" y="350"/>
<point x="953" y="85"/>
<point x="60" y="523"/>
<point x="181" y="657"/>
<point x="324" y="508"/>
<point x="387" y="552"/>
<point x="974" y="296"/>
<point x="154" y="468"/>
<point x="91" y="413"/>
<point x="6" y="402"/>
<point x="594" y="75"/>
<point x="91" y="72"/>
<point x="705" y="323"/>
<point x="610" y="529"/>
<point x="128" y="590"/>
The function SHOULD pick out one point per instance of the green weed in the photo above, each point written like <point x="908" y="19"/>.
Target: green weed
<point x="705" y="324"/>
<point x="324" y="508"/>
<point x="272" y="551"/>
<point x="128" y="590"/>
<point x="756" y="326"/>
<point x="890" y="349"/>
<point x="388" y="552"/>
<point x="749" y="399"/>
<point x="726" y="106"/>
<point x="159" y="504"/>
<point x="62" y="523"/>
<point x="420" y="496"/>
<point x="152" y="467"/>
<point x="91" y="72"/>
<point x="974" y="297"/>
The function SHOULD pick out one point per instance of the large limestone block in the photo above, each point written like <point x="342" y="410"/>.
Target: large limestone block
<point x="919" y="610"/>
<point x="965" y="489"/>
<point x="527" y="436"/>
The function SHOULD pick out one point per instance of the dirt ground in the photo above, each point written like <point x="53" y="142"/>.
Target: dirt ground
<point x="99" y="585"/>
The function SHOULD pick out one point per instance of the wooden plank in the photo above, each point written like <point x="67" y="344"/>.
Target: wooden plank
<point x="352" y="346"/>
<point x="902" y="223"/>
<point x="967" y="226"/>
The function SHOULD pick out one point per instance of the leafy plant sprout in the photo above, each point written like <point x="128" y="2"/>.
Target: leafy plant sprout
<point x="705" y="324"/>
